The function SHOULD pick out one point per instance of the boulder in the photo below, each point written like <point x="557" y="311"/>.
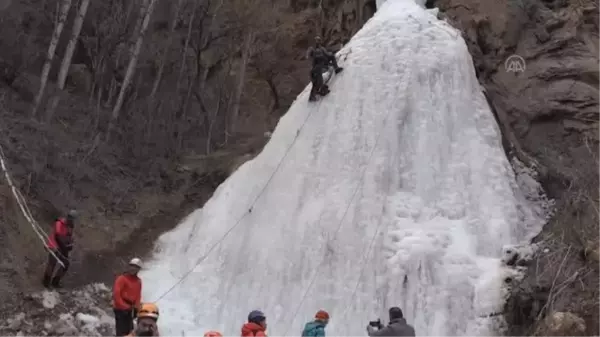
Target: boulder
<point x="561" y="324"/>
<point x="591" y="253"/>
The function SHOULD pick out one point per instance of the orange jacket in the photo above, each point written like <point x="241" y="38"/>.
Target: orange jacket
<point x="252" y="329"/>
<point x="132" y="334"/>
<point x="127" y="292"/>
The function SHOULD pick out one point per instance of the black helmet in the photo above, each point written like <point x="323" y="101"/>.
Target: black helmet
<point x="256" y="316"/>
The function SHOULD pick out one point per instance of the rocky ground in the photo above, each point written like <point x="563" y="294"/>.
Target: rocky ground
<point x="50" y="313"/>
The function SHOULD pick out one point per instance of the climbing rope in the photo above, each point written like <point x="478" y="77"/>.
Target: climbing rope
<point x="341" y="221"/>
<point x="360" y="182"/>
<point x="37" y="229"/>
<point x="203" y="257"/>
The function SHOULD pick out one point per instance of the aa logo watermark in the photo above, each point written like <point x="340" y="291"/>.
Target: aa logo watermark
<point x="514" y="64"/>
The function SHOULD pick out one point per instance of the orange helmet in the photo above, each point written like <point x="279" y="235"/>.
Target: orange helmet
<point x="148" y="310"/>
<point x="213" y="333"/>
<point x="322" y="315"/>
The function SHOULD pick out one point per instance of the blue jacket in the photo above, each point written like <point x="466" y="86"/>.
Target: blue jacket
<point x="314" y="329"/>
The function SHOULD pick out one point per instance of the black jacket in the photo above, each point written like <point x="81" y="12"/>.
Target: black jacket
<point x="396" y="327"/>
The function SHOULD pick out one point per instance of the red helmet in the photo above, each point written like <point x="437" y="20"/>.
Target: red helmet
<point x="213" y="333"/>
<point x="322" y="315"/>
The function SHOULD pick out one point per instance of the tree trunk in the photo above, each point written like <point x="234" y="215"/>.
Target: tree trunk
<point x="241" y="79"/>
<point x="64" y="11"/>
<point x="132" y="63"/>
<point x="271" y="83"/>
<point x="187" y="43"/>
<point x="66" y="62"/>
<point x="165" y="53"/>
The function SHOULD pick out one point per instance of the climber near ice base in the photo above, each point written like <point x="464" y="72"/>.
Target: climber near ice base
<point x="147" y="317"/>
<point x="321" y="59"/>
<point x="316" y="328"/>
<point x="396" y="327"/>
<point x="127" y="294"/>
<point x="60" y="243"/>
<point x="256" y="326"/>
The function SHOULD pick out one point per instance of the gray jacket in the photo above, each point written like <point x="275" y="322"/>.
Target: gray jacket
<point x="397" y="327"/>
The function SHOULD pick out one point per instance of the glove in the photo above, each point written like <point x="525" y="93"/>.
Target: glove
<point x="377" y="324"/>
<point x="135" y="312"/>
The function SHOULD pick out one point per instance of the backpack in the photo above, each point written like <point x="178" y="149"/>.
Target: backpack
<point x="314" y="332"/>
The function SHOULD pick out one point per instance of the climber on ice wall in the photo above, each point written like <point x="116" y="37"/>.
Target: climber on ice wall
<point x="321" y="59"/>
<point x="60" y="242"/>
<point x="316" y="328"/>
<point x="256" y="326"/>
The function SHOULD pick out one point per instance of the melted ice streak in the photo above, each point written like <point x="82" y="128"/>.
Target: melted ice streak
<point x="438" y="196"/>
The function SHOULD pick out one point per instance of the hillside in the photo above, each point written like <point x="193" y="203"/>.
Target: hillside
<point x="134" y="172"/>
<point x="208" y="88"/>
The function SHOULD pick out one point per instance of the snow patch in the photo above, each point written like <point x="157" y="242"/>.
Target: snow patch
<point x="85" y="311"/>
<point x="50" y="299"/>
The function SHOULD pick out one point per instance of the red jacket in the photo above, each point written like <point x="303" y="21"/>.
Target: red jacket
<point x="127" y="292"/>
<point x="252" y="329"/>
<point x="61" y="236"/>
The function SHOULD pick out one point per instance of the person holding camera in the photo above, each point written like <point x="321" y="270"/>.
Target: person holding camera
<point x="396" y="327"/>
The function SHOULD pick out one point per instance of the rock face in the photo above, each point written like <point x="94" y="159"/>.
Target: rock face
<point x="562" y="324"/>
<point x="538" y="62"/>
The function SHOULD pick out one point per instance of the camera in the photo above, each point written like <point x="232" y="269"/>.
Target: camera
<point x="376" y="324"/>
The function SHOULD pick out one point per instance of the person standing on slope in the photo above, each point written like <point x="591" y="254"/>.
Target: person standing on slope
<point x="146" y="321"/>
<point x="396" y="327"/>
<point x="127" y="294"/>
<point x="256" y="326"/>
<point x="60" y="243"/>
<point x="321" y="59"/>
<point x="316" y="328"/>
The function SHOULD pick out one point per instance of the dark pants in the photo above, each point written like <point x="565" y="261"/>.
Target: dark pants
<point x="316" y="76"/>
<point x="52" y="265"/>
<point x="123" y="322"/>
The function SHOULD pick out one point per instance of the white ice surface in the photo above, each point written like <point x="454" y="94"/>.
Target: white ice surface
<point x="406" y="142"/>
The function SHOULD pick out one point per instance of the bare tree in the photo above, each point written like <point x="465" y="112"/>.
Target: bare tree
<point x="165" y="52"/>
<point x="66" y="62"/>
<point x="145" y="12"/>
<point x="241" y="80"/>
<point x="62" y="17"/>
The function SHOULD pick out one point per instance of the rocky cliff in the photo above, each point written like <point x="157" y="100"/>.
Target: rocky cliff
<point x="538" y="62"/>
